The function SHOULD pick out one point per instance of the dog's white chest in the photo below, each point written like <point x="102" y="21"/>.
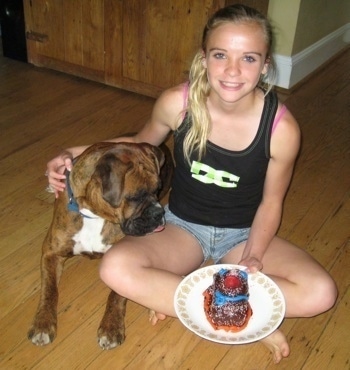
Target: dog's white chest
<point x="89" y="238"/>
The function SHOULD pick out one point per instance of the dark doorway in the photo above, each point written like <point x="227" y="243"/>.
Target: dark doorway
<point x="13" y="29"/>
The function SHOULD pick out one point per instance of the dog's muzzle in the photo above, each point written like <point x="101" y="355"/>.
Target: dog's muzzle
<point x="151" y="220"/>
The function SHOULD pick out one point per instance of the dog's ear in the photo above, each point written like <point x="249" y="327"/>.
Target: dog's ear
<point x="163" y="159"/>
<point x="166" y="171"/>
<point x="159" y="156"/>
<point x="85" y="166"/>
<point x="110" y="172"/>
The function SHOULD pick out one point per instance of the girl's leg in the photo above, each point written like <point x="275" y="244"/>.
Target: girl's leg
<point x="148" y="269"/>
<point x="307" y="287"/>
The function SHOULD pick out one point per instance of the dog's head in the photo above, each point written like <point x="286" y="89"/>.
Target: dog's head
<point x="121" y="183"/>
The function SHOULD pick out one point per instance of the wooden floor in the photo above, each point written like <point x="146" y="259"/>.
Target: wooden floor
<point x="43" y="111"/>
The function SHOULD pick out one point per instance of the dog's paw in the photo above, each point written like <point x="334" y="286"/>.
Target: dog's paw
<point x="105" y="343"/>
<point x="108" y="341"/>
<point x="40" y="338"/>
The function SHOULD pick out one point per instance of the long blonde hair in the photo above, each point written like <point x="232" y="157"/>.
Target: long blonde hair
<point x="199" y="89"/>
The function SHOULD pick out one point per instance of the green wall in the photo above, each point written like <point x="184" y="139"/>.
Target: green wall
<point x="300" y="23"/>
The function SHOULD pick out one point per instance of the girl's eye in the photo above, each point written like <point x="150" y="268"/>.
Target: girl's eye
<point x="249" y="59"/>
<point x="219" y="56"/>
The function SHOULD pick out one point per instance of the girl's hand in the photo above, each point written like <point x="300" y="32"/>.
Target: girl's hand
<point x="55" y="171"/>
<point x="252" y="263"/>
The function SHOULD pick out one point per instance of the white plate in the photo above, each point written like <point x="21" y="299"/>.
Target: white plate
<point x="265" y="298"/>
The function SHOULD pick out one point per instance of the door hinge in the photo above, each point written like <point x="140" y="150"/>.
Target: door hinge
<point x="36" y="36"/>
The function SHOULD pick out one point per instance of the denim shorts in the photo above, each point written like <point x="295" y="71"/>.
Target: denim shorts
<point x="216" y="242"/>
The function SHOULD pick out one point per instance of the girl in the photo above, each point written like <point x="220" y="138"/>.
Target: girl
<point x="235" y="147"/>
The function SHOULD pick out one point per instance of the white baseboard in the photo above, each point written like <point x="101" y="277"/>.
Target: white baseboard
<point x="291" y="70"/>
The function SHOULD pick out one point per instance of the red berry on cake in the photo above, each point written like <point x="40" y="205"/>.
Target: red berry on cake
<point x="232" y="282"/>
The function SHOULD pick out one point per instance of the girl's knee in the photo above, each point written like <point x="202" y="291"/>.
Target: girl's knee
<point x="111" y="268"/>
<point x="120" y="270"/>
<point x="106" y="270"/>
<point x="331" y="293"/>
<point x="322" y="296"/>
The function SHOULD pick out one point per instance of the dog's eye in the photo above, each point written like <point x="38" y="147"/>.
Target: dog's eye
<point x="133" y="199"/>
<point x="138" y="197"/>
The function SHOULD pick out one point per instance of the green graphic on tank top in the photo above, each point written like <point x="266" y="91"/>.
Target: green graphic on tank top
<point x="209" y="175"/>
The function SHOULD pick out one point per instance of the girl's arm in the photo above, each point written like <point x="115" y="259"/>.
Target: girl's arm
<point x="285" y="144"/>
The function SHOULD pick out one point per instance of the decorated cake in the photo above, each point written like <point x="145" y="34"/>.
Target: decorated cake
<point x="226" y="302"/>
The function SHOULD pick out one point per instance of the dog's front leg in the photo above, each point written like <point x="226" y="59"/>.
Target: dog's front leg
<point x="111" y="332"/>
<point x="44" y="327"/>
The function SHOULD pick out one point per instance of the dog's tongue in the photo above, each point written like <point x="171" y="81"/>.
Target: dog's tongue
<point x="159" y="228"/>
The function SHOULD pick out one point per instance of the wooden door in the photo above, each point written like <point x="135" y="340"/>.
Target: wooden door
<point x="66" y="35"/>
<point x="160" y="39"/>
<point x="44" y="29"/>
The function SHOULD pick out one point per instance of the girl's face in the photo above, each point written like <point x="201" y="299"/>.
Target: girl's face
<point x="235" y="58"/>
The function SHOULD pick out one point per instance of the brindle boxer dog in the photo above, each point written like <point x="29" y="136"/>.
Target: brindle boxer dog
<point x="112" y="191"/>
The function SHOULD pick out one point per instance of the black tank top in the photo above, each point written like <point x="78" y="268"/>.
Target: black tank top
<point x="225" y="188"/>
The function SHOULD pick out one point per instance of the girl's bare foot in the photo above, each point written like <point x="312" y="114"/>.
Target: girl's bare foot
<point x="154" y="317"/>
<point x="278" y="345"/>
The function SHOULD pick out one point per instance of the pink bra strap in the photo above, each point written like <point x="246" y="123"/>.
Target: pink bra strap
<point x="278" y="117"/>
<point x="185" y="98"/>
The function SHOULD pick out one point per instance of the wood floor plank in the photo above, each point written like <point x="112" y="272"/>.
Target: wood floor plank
<point x="310" y="337"/>
<point x="167" y="353"/>
<point x="332" y="349"/>
<point x="334" y="353"/>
